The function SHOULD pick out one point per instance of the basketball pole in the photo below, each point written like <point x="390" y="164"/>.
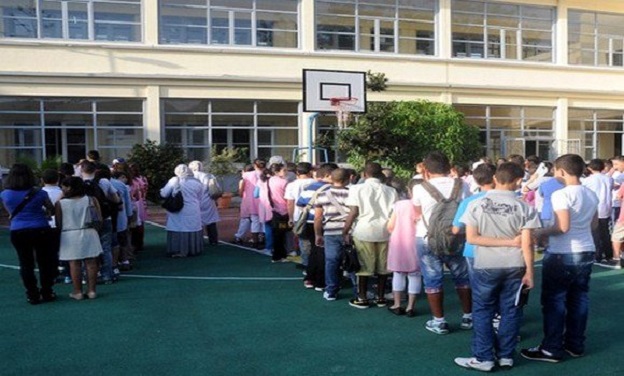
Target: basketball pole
<point x="311" y="121"/>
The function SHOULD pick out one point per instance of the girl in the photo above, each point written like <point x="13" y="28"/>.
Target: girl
<point x="402" y="257"/>
<point x="79" y="242"/>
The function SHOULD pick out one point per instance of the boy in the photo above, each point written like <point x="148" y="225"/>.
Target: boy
<point x="567" y="265"/>
<point x="502" y="265"/>
<point x="602" y="185"/>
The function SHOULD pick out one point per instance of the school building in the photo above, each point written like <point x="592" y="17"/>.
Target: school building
<point x="538" y="77"/>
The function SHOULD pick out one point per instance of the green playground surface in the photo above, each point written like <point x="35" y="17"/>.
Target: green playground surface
<point x="231" y="312"/>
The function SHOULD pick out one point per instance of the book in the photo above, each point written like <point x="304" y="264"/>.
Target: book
<point x="522" y="296"/>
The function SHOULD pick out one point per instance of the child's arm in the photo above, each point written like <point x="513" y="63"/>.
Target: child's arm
<point x="473" y="237"/>
<point x="318" y="226"/>
<point x="561" y="226"/>
<point x="391" y="222"/>
<point x="527" y="254"/>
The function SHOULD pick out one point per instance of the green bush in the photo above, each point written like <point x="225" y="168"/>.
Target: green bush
<point x="157" y="163"/>
<point x="399" y="134"/>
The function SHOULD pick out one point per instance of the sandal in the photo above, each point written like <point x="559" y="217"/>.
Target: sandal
<point x="92" y="295"/>
<point x="410" y="313"/>
<point x="399" y="311"/>
<point x="76" y="296"/>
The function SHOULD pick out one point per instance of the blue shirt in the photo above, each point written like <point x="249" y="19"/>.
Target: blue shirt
<point x="546" y="190"/>
<point x="32" y="216"/>
<point x="468" y="248"/>
<point x="306" y="196"/>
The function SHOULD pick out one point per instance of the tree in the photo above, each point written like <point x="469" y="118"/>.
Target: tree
<point x="398" y="134"/>
<point x="157" y="163"/>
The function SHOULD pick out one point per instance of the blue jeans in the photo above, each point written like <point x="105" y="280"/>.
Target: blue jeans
<point x="333" y="256"/>
<point x="565" y="303"/>
<point x="268" y="236"/>
<point x="494" y="291"/>
<point x="432" y="268"/>
<point x="106" y="240"/>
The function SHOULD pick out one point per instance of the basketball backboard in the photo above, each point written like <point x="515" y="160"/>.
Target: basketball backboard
<point x="323" y="88"/>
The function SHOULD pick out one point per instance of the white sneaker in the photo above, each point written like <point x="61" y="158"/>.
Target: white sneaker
<point x="328" y="297"/>
<point x="473" y="363"/>
<point x="505" y="362"/>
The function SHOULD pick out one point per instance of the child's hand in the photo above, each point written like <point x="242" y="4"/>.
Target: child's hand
<point x="517" y="241"/>
<point x="527" y="280"/>
<point x="319" y="241"/>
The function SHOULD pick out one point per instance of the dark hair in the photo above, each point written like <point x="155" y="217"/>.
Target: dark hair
<point x="277" y="167"/>
<point x="94" y="155"/>
<point x="388" y="172"/>
<point x="437" y="163"/>
<point x="66" y="169"/>
<point x="549" y="166"/>
<point x="340" y="175"/>
<point x="596" y="165"/>
<point x="572" y="164"/>
<point x="135" y="169"/>
<point x="517" y="159"/>
<point x="373" y="170"/>
<point x="325" y="170"/>
<point x="303" y="168"/>
<point x="509" y="172"/>
<point x="50" y="176"/>
<point x="75" y="185"/>
<point x="414" y="182"/>
<point x="20" y="177"/>
<point x="398" y="185"/>
<point x="88" y="167"/>
<point x="117" y="174"/>
<point x="248" y="168"/>
<point x="260" y="163"/>
<point x="102" y="174"/>
<point x="266" y="174"/>
<point x="534" y="159"/>
<point x="484" y="174"/>
<point x="462" y="170"/>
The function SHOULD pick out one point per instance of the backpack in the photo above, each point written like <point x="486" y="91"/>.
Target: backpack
<point x="441" y="239"/>
<point x="93" y="189"/>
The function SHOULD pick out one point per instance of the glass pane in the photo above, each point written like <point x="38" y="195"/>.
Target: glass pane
<point x="421" y="15"/>
<point x="367" y="35"/>
<point x="334" y="8"/>
<point x="220" y="27"/>
<point x="278" y="121"/>
<point x="186" y="120"/>
<point x="376" y="11"/>
<point x="468" y="6"/>
<point x="14" y="104"/>
<point x="117" y="22"/>
<point x="173" y="136"/>
<point x="119" y="105"/>
<point x="242" y="28"/>
<point x="468" y="19"/>
<point x="120" y="137"/>
<point x="281" y="39"/>
<point x="120" y="120"/>
<point x="280" y="21"/>
<point x="232" y="106"/>
<point x="278" y="108"/>
<point x="232" y="121"/>
<point x="610" y="126"/>
<point x="420" y="4"/>
<point x="67" y="105"/>
<point x="68" y="120"/>
<point x="183" y="24"/>
<point x="539" y="112"/>
<point x="503" y="9"/>
<point x="506" y="112"/>
<point x="19" y="19"/>
<point x="19" y="119"/>
<point x="503" y="22"/>
<point x="51" y="20"/>
<point x="241" y="4"/>
<point x="537" y="12"/>
<point x="279" y="5"/>
<point x="77" y="23"/>
<point x="185" y="105"/>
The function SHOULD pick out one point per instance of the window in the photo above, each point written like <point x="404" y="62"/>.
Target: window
<point x="37" y="129"/>
<point x="260" y="23"/>
<point x="262" y="128"/>
<point x="493" y="30"/>
<point x="595" y="39"/>
<point x="101" y="20"/>
<point x="385" y="26"/>
<point x="600" y="131"/>
<point x="509" y="130"/>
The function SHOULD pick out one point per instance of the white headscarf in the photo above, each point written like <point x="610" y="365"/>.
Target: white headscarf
<point x="196" y="166"/>
<point x="182" y="171"/>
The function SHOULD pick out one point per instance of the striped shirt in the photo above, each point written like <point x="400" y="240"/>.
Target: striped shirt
<point x="333" y="219"/>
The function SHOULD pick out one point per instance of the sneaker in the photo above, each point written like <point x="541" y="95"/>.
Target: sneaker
<point x="116" y="272"/>
<point x="473" y="363"/>
<point x="237" y="241"/>
<point x="381" y="302"/>
<point x="329" y="297"/>
<point x="280" y="260"/>
<point x="611" y="264"/>
<point x="319" y="289"/>
<point x="505" y="363"/>
<point x="68" y="281"/>
<point x="308" y="284"/>
<point x="267" y="252"/>
<point x="437" y="327"/>
<point x="536" y="353"/>
<point x="573" y="354"/>
<point x="292" y="254"/>
<point x="466" y="323"/>
<point x="359" y="303"/>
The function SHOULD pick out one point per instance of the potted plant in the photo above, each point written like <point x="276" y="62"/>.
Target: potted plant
<point x="224" y="166"/>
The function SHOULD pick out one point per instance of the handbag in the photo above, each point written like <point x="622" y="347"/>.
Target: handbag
<point x="175" y="201"/>
<point x="278" y="221"/>
<point x="94" y="218"/>
<point x="350" y="262"/>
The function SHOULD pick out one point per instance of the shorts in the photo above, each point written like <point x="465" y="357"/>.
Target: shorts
<point x="618" y="233"/>
<point x="432" y="268"/>
<point x="373" y="257"/>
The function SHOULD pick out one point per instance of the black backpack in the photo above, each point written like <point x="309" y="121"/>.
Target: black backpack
<point x="92" y="188"/>
<point x="440" y="236"/>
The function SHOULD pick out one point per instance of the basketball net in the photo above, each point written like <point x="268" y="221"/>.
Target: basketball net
<point x="342" y="107"/>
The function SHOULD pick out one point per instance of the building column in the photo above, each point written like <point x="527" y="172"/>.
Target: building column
<point x="307" y="18"/>
<point x="561" y="127"/>
<point x="152" y="118"/>
<point x="444" y="33"/>
<point x="150" y="23"/>
<point x="561" y="41"/>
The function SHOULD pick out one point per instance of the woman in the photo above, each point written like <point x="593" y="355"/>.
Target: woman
<point x="272" y="187"/>
<point x="79" y="241"/>
<point x="31" y="234"/>
<point x="138" y="194"/>
<point x="185" y="236"/>
<point x="209" y="212"/>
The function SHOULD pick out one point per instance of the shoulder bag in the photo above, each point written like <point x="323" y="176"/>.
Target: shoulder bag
<point x="29" y="196"/>
<point x="175" y="201"/>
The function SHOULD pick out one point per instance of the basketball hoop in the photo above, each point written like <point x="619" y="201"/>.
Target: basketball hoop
<point x="342" y="106"/>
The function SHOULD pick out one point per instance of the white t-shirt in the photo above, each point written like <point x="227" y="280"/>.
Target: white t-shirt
<point x="602" y="185"/>
<point x="618" y="179"/>
<point x="293" y="191"/>
<point x="581" y="203"/>
<point x="55" y="193"/>
<point x="420" y="197"/>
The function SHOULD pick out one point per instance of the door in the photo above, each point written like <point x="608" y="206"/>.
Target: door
<point x="69" y="144"/>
